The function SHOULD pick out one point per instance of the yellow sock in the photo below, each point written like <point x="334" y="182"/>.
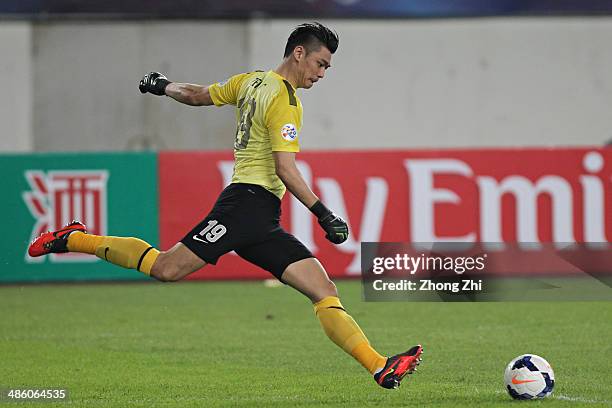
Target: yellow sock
<point x="345" y="332"/>
<point x="132" y="253"/>
<point x="85" y="243"/>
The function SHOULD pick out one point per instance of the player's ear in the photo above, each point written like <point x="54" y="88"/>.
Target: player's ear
<point x="299" y="52"/>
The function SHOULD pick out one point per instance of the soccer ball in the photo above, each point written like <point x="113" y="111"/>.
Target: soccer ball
<point x="529" y="377"/>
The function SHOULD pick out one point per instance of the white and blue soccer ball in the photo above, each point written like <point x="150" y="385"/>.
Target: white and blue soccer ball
<point x="529" y="377"/>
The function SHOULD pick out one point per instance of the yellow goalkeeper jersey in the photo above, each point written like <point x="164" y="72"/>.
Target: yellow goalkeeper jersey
<point x="269" y="119"/>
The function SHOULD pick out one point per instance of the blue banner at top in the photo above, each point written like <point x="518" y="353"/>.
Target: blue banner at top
<point x="240" y="9"/>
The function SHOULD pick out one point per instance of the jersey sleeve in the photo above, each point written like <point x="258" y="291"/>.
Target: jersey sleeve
<point x="226" y="92"/>
<point x="284" y="121"/>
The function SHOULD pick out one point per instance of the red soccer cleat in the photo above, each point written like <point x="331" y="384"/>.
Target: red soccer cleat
<point x="54" y="241"/>
<point x="398" y="366"/>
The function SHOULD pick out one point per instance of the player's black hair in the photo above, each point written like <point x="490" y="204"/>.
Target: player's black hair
<point x="311" y="36"/>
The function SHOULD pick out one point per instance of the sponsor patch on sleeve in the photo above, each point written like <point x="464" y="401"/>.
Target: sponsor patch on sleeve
<point x="289" y="132"/>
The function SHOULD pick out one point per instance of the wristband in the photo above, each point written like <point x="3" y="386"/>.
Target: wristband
<point x="320" y="210"/>
<point x="161" y="84"/>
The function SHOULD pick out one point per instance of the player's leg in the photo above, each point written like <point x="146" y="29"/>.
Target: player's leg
<point x="128" y="252"/>
<point x="291" y="262"/>
<point x="224" y="229"/>
<point x="216" y="235"/>
<point x="310" y="278"/>
<point x="176" y="263"/>
<point x="132" y="253"/>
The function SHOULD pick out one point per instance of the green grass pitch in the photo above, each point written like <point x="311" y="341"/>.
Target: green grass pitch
<point x="241" y="344"/>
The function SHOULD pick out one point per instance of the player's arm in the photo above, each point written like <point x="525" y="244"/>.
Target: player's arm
<point x="189" y="94"/>
<point x="335" y="227"/>
<point x="287" y="171"/>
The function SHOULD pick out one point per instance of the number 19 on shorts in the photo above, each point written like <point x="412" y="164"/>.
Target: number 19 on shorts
<point x="211" y="233"/>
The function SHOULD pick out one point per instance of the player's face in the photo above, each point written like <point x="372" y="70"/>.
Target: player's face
<point x="313" y="66"/>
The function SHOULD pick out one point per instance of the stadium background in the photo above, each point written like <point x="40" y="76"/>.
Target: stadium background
<point x="429" y="107"/>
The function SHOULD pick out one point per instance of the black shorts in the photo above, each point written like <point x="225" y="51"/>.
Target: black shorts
<point x="246" y="219"/>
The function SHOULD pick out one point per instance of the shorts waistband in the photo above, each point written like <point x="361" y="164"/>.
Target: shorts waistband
<point x="258" y="189"/>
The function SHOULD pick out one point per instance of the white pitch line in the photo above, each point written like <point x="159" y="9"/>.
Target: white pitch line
<point x="580" y="399"/>
<point x="571" y="399"/>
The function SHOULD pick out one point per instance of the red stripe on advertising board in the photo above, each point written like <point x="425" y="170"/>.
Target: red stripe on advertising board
<point x="546" y="195"/>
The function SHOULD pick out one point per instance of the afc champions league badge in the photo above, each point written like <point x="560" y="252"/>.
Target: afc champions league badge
<point x="289" y="132"/>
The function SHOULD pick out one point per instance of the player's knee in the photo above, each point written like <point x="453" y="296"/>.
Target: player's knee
<point x="328" y="289"/>
<point x="170" y="274"/>
<point x="165" y="270"/>
<point x="331" y="287"/>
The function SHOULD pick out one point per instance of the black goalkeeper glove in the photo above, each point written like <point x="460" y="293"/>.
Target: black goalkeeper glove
<point x="335" y="227"/>
<point x="154" y="83"/>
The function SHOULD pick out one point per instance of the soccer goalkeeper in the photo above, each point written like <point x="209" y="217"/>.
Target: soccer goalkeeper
<point x="246" y="216"/>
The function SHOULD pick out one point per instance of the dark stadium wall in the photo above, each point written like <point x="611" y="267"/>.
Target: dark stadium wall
<point x="423" y="83"/>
